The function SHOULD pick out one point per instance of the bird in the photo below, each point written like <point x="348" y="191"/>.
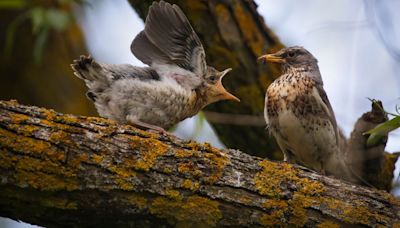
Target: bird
<point x="299" y="115"/>
<point x="176" y="84"/>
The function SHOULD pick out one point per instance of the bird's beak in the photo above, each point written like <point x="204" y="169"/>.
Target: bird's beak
<point x="225" y="95"/>
<point x="271" y="58"/>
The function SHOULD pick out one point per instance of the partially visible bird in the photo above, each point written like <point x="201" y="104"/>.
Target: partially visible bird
<point x="177" y="84"/>
<point x="299" y="115"/>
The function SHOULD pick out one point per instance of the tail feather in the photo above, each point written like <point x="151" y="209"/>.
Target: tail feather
<point x="88" y="69"/>
<point x="95" y="77"/>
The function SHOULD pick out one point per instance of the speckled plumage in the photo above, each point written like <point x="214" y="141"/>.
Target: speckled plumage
<point x="299" y="115"/>
<point x="176" y="85"/>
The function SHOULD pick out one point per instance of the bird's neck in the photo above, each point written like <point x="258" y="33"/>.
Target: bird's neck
<point x="309" y="70"/>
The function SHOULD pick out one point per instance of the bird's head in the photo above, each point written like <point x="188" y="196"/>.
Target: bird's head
<point x="213" y="88"/>
<point x="291" y="57"/>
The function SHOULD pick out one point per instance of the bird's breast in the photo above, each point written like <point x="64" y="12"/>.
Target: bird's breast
<point x="291" y="92"/>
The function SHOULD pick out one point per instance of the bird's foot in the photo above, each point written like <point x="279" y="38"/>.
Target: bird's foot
<point x="150" y="128"/>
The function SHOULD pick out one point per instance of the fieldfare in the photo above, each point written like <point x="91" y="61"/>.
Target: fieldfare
<point x="176" y="85"/>
<point x="299" y="115"/>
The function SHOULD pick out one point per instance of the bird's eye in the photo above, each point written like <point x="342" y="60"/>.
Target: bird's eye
<point x="291" y="54"/>
<point x="212" y="78"/>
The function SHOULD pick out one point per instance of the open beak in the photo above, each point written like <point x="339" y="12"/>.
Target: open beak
<point x="225" y="95"/>
<point x="271" y="58"/>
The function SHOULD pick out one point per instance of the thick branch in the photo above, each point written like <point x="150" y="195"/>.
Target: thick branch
<point x="65" y="170"/>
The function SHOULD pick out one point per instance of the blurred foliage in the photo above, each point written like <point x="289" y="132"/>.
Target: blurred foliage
<point x="42" y="20"/>
<point x="39" y="39"/>
<point x="383" y="129"/>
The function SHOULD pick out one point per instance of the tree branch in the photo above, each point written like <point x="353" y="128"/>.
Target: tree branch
<point x="66" y="170"/>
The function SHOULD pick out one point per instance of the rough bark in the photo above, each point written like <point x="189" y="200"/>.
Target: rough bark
<point x="66" y="170"/>
<point x="234" y="35"/>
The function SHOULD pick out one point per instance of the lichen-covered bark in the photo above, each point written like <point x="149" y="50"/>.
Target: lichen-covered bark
<point x="66" y="170"/>
<point x="234" y="35"/>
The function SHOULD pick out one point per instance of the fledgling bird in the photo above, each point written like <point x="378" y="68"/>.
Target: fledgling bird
<point x="299" y="115"/>
<point x="177" y="84"/>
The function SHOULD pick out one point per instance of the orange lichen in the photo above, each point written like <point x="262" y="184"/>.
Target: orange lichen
<point x="269" y="181"/>
<point x="137" y="200"/>
<point x="328" y="224"/>
<point x="18" y="118"/>
<point x="149" y="151"/>
<point x="43" y="181"/>
<point x="190" y="185"/>
<point x="190" y="211"/>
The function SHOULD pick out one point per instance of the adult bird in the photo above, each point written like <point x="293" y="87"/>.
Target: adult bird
<point x="176" y="85"/>
<point x="299" y="115"/>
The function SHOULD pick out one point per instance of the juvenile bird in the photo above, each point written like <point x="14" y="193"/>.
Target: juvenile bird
<point x="177" y="84"/>
<point x="299" y="115"/>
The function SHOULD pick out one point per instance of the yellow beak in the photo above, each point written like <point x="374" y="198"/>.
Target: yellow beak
<point x="225" y="95"/>
<point x="272" y="58"/>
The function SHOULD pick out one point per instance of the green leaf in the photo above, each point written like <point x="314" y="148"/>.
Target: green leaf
<point x="58" y="19"/>
<point x="40" y="45"/>
<point x="382" y="130"/>
<point x="38" y="19"/>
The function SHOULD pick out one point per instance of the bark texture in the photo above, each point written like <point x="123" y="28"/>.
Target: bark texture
<point x="66" y="170"/>
<point x="234" y="35"/>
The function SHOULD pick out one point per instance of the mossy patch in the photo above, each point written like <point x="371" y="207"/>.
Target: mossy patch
<point x="187" y="212"/>
<point x="149" y="151"/>
<point x="271" y="181"/>
<point x="190" y="185"/>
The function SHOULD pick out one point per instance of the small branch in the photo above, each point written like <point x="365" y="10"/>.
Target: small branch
<point x="235" y="119"/>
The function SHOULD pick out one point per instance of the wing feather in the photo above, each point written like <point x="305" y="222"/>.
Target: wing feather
<point x="171" y="39"/>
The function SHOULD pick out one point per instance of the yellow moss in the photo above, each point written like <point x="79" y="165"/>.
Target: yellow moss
<point x="183" y="153"/>
<point x="137" y="200"/>
<point x="190" y="185"/>
<point x="273" y="219"/>
<point x="33" y="165"/>
<point x="97" y="158"/>
<point x="18" y="118"/>
<point x="149" y="150"/>
<point x="354" y="212"/>
<point x="124" y="184"/>
<point x="59" y="203"/>
<point x="44" y="181"/>
<point x="167" y="170"/>
<point x="23" y="144"/>
<point x="49" y="114"/>
<point x="60" y="136"/>
<point x="328" y="224"/>
<point x="173" y="194"/>
<point x="190" y="211"/>
<point x="269" y="181"/>
<point x="6" y="161"/>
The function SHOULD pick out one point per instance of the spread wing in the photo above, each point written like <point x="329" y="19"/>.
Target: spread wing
<point x="168" y="38"/>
